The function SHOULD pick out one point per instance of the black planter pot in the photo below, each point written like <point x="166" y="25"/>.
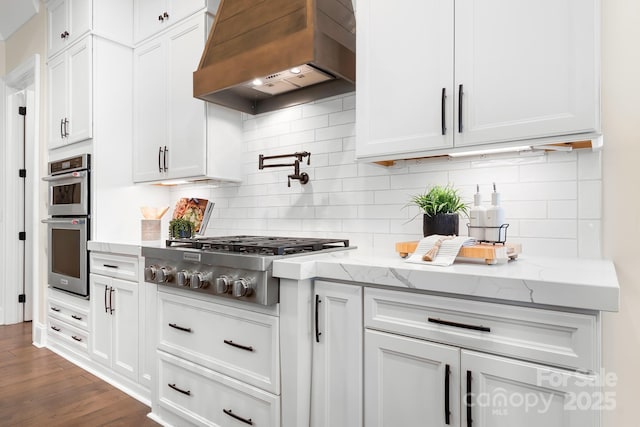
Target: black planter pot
<point x="443" y="224"/>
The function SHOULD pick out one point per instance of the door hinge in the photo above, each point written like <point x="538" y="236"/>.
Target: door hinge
<point x="22" y="298"/>
<point x="22" y="235"/>
<point x="22" y="111"/>
<point x="22" y="173"/>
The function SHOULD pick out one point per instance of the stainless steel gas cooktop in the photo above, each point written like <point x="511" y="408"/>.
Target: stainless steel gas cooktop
<point x="236" y="267"/>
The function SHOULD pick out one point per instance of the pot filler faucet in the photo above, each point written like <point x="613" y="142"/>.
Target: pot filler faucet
<point x="302" y="177"/>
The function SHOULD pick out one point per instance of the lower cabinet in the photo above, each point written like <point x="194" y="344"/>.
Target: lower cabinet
<point x="336" y="387"/>
<point x="68" y="323"/>
<point x="114" y="324"/>
<point x="217" y="364"/>
<point x="410" y="379"/>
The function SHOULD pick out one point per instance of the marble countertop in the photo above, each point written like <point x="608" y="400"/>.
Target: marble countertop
<point x="115" y="248"/>
<point x="589" y="284"/>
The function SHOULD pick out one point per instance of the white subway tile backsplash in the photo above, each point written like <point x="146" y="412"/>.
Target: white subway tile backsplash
<point x="548" y="172"/>
<point x="322" y="107"/>
<point x="590" y="200"/>
<point x="552" y="201"/>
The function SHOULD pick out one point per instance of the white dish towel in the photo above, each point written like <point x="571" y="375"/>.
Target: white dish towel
<point x="447" y="252"/>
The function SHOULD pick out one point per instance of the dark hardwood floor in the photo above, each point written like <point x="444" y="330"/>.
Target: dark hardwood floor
<point x="40" y="388"/>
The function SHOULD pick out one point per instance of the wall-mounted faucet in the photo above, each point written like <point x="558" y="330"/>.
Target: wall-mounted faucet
<point x="302" y="177"/>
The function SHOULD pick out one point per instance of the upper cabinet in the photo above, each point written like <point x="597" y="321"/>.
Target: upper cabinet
<point x="437" y="76"/>
<point x="177" y="136"/>
<point x="153" y="16"/>
<point x="69" y="20"/>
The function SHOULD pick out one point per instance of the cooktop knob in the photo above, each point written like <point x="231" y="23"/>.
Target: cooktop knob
<point x="242" y="288"/>
<point x="223" y="285"/>
<point x="150" y="273"/>
<point x="182" y="278"/>
<point x="163" y="275"/>
<point x="199" y="280"/>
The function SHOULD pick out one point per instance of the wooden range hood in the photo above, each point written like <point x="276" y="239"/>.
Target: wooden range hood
<point x="299" y="50"/>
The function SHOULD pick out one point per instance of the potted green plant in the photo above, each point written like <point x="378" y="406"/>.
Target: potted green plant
<point x="180" y="228"/>
<point x="441" y="207"/>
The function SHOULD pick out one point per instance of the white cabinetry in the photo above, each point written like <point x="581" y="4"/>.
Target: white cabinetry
<point x="114" y="323"/>
<point x="68" y="324"/>
<point x="474" y="75"/>
<point x="69" y="20"/>
<point x="217" y="363"/>
<point x="175" y="134"/>
<point x="336" y="389"/>
<point x="153" y="16"/>
<point x="70" y="95"/>
<point x="409" y="379"/>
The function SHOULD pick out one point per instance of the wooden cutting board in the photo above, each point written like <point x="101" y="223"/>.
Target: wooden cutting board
<point x="491" y="254"/>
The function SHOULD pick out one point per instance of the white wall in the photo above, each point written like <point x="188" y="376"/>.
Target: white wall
<point x="552" y="202"/>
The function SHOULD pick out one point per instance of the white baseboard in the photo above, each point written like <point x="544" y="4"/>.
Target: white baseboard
<point x="39" y="334"/>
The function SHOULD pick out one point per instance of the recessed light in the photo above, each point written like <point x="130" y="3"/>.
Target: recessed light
<point x="295" y="70"/>
<point x="256" y="82"/>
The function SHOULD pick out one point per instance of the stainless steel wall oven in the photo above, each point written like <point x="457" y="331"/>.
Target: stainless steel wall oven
<point x="68" y="225"/>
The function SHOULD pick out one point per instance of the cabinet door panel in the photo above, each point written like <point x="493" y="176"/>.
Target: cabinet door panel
<point x="57" y="24"/>
<point x="405" y="381"/>
<point x="336" y="394"/>
<point x="146" y="14"/>
<point x="507" y="393"/>
<point x="80" y="92"/>
<point x="529" y="69"/>
<point x="100" y="335"/>
<point x="186" y="114"/>
<point x="125" y="328"/>
<point x="80" y="18"/>
<point x="180" y="9"/>
<point x="150" y="115"/>
<point x="57" y="100"/>
<point x="405" y="60"/>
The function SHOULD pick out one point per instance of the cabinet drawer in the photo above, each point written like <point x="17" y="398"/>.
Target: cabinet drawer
<point x="118" y="266"/>
<point x="68" y="335"/>
<point x="204" y="397"/>
<point x="68" y="313"/>
<point x="546" y="336"/>
<point x="235" y="342"/>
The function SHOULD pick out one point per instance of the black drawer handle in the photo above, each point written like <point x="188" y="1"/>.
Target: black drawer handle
<point x="460" y="93"/>
<point x="55" y="309"/>
<point x="467" y="400"/>
<point x="318" y="333"/>
<point x="76" y="317"/>
<point x="179" y="390"/>
<point x="55" y="328"/>
<point x="76" y="338"/>
<point x="180" y="328"/>
<point x="243" y="347"/>
<point x="231" y="414"/>
<point x="459" y="325"/>
<point x="109" y="265"/>
<point x="447" y="410"/>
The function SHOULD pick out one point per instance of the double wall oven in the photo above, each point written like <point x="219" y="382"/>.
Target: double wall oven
<point x="68" y="226"/>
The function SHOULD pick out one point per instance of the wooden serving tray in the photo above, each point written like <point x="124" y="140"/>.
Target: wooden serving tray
<point x="491" y="254"/>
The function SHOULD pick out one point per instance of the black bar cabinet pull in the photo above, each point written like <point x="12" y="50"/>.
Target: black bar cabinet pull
<point x="231" y="414"/>
<point x="61" y="125"/>
<point x="76" y="338"/>
<point x="76" y="317"/>
<point x="111" y="309"/>
<point x="468" y="400"/>
<point x="179" y="390"/>
<point x="106" y="309"/>
<point x="443" y="112"/>
<point x="66" y="129"/>
<point x="243" y="347"/>
<point x="318" y="333"/>
<point x="55" y="328"/>
<point x="109" y="266"/>
<point x="55" y="309"/>
<point x="159" y="163"/>
<point x="180" y="328"/>
<point x="460" y="92"/>
<point x="447" y="412"/>
<point x="459" y="325"/>
<point x="164" y="158"/>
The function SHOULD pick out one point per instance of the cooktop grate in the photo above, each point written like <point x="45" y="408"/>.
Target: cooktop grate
<point x="259" y="245"/>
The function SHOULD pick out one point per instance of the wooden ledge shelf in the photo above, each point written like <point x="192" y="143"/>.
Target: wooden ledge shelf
<point x="491" y="254"/>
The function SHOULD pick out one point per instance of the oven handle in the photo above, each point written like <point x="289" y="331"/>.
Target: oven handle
<point x="72" y="221"/>
<point x="76" y="174"/>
